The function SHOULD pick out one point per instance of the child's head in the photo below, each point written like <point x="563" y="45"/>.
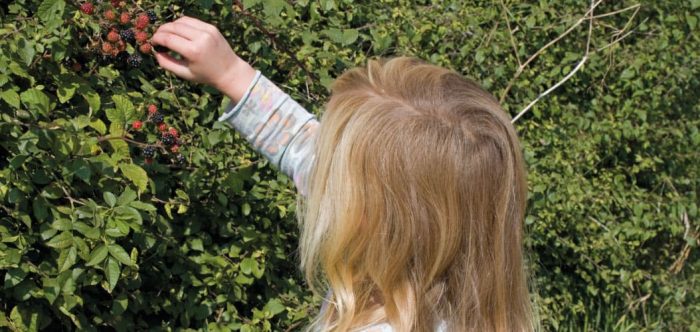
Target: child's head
<point x="416" y="202"/>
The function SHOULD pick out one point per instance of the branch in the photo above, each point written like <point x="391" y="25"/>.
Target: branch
<point x="586" y="16"/>
<point x="573" y="71"/>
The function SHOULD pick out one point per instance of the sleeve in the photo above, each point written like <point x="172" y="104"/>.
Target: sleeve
<point x="276" y="126"/>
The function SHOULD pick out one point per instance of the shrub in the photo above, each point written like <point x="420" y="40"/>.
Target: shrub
<point x="93" y="236"/>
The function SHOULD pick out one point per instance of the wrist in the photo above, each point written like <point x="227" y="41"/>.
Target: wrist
<point x="235" y="80"/>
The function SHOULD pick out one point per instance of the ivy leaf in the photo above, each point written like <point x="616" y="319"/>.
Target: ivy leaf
<point x="120" y="254"/>
<point x="112" y="273"/>
<point x="97" y="255"/>
<point x="136" y="174"/>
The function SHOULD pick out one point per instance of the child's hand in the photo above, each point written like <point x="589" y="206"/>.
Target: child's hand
<point x="207" y="56"/>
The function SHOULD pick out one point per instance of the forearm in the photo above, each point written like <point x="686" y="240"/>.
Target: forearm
<point x="235" y="80"/>
<point x="277" y="126"/>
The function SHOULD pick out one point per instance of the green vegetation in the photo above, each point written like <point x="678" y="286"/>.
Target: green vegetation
<point x="92" y="236"/>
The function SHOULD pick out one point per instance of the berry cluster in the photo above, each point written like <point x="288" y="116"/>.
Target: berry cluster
<point x="168" y="143"/>
<point x="125" y="31"/>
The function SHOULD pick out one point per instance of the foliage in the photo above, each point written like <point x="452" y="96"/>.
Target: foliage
<point x="93" y="237"/>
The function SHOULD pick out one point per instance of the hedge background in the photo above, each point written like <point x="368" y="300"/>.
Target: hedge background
<point x="93" y="238"/>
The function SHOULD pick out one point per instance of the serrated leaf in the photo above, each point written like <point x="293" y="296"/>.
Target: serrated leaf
<point x="136" y="174"/>
<point x="97" y="255"/>
<point x="120" y="254"/>
<point x="50" y="10"/>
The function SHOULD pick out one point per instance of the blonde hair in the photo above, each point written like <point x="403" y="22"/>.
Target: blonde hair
<point x="416" y="202"/>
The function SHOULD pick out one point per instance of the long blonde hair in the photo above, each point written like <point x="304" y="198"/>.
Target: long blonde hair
<point x="416" y="202"/>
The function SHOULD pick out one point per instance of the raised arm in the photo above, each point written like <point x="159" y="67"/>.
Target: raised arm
<point x="275" y="124"/>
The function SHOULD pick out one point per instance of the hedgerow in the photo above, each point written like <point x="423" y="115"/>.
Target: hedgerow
<point x="93" y="235"/>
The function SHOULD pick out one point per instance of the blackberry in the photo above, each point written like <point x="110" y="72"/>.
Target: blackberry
<point x="157" y="118"/>
<point x="128" y="35"/>
<point x="168" y="139"/>
<point x="152" y="16"/>
<point x="149" y="152"/>
<point x="180" y="159"/>
<point x="134" y="60"/>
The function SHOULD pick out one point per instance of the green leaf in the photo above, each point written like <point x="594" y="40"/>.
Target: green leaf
<point x="274" y="307"/>
<point x="67" y="258"/>
<point x="143" y="206"/>
<point x="127" y="196"/>
<point x="350" y="36"/>
<point x="120" y="254"/>
<point x="109" y="198"/>
<point x="97" y="255"/>
<point x="51" y="9"/>
<point x="136" y="174"/>
<point x="112" y="273"/>
<point x="63" y="240"/>
<point x="13" y="277"/>
<point x="36" y="100"/>
<point x="11" y="97"/>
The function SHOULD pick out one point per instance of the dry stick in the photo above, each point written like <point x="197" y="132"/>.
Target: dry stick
<point x="552" y="42"/>
<point x="506" y="13"/>
<point x="571" y="73"/>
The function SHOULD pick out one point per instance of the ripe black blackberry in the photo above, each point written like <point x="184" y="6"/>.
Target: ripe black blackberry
<point x="152" y="16"/>
<point x="128" y="36"/>
<point x="149" y="152"/>
<point x="180" y="159"/>
<point x="168" y="139"/>
<point x="157" y="118"/>
<point x="134" y="60"/>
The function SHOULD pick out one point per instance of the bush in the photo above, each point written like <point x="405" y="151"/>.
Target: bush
<point x="93" y="236"/>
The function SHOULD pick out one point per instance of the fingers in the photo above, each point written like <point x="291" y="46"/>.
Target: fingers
<point x="195" y="23"/>
<point x="176" y="66"/>
<point x="174" y="42"/>
<point x="181" y="29"/>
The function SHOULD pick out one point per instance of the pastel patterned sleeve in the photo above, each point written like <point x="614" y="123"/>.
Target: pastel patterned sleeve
<point x="276" y="126"/>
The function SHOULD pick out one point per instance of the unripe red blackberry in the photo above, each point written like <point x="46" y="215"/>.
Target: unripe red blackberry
<point x="142" y="21"/>
<point x="134" y="60"/>
<point x="152" y="109"/>
<point x="137" y="124"/>
<point x="107" y="48"/>
<point x="124" y="18"/>
<point x="110" y="15"/>
<point x="87" y="8"/>
<point x="145" y="48"/>
<point x="173" y="132"/>
<point x="113" y="36"/>
<point x="141" y="36"/>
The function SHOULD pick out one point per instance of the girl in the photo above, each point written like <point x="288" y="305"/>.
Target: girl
<point x="414" y="187"/>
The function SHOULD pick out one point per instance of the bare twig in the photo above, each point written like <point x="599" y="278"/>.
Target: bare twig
<point x="572" y="72"/>
<point x="522" y="67"/>
<point x="506" y="13"/>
